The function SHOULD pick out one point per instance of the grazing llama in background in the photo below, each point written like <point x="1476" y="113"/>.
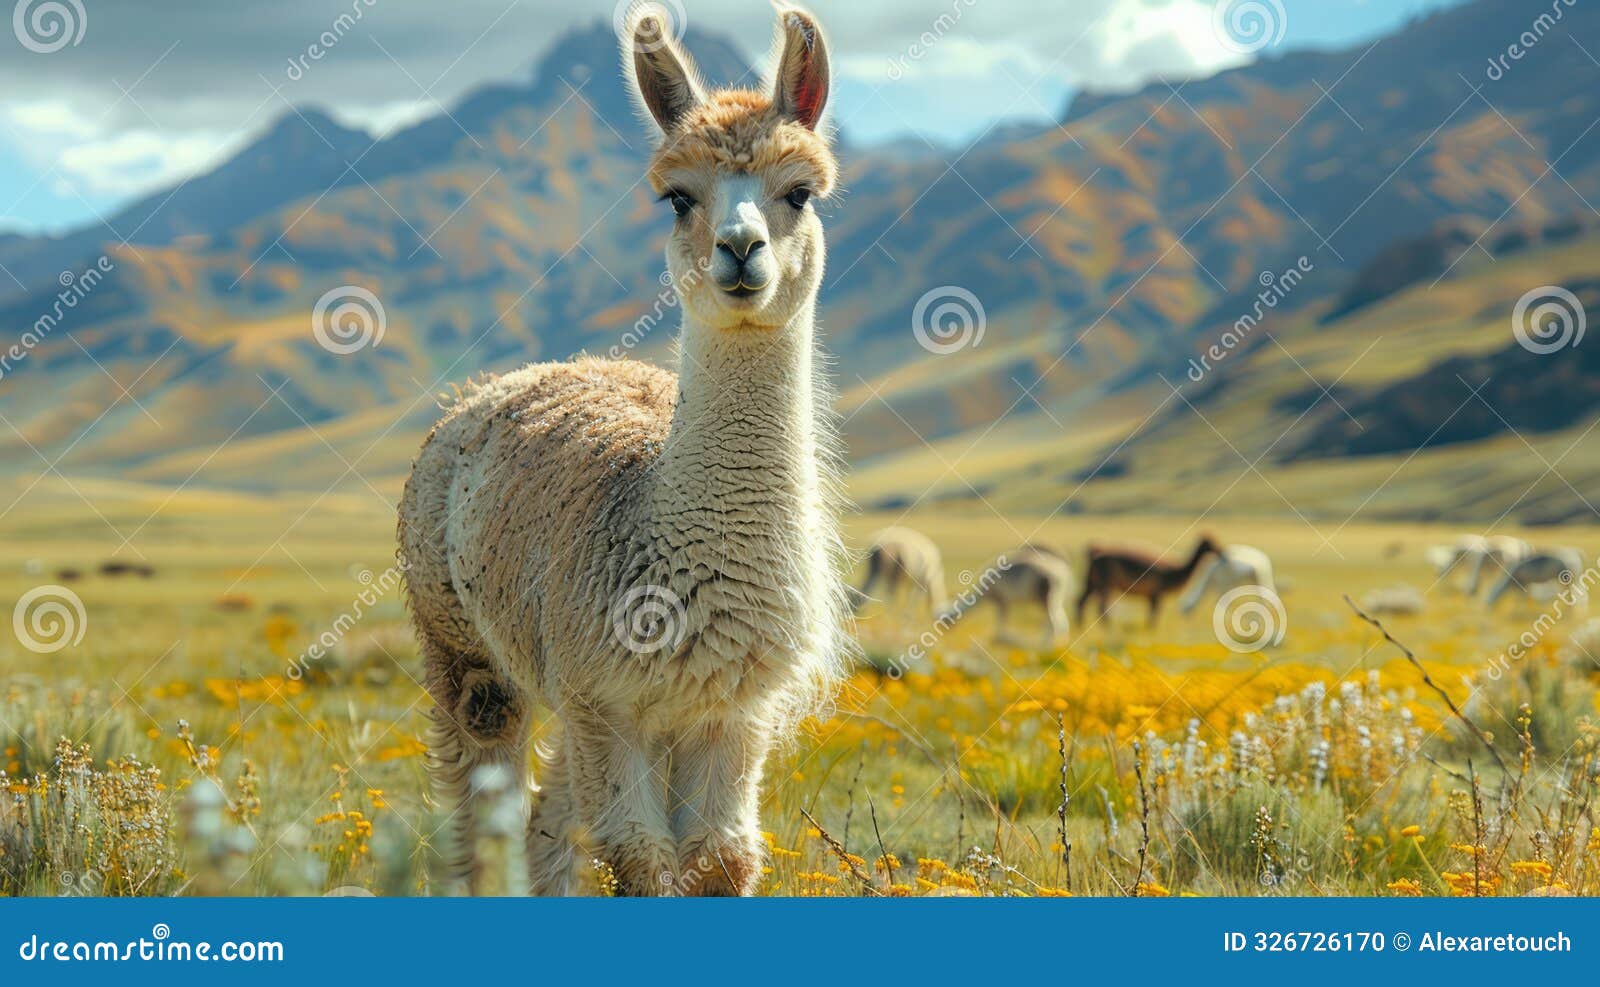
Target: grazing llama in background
<point x="1541" y="567"/>
<point x="1233" y="567"/>
<point x="903" y="564"/>
<point x="1031" y="576"/>
<point x="1478" y="555"/>
<point x="1113" y="573"/>
<point x="654" y="557"/>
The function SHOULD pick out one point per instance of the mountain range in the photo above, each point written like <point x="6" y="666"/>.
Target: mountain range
<point x="1415" y="195"/>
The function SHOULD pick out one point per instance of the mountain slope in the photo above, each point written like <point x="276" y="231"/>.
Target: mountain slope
<point x="1105" y="252"/>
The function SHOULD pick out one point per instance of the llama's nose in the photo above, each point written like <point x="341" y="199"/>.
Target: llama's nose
<point x="740" y="246"/>
<point x="744" y="263"/>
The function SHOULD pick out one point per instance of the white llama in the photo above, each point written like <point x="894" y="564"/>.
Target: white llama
<point x="1478" y="555"/>
<point x="1032" y="576"/>
<point x="903" y="564"/>
<point x="654" y="557"/>
<point x="1539" y="569"/>
<point x="1235" y="566"/>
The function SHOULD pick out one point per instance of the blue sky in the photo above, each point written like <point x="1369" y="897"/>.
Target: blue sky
<point x="159" y="89"/>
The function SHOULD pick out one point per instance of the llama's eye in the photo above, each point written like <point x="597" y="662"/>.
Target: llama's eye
<point x="682" y="202"/>
<point x="799" y="197"/>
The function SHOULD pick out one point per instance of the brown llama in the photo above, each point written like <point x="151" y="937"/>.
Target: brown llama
<point x="1115" y="572"/>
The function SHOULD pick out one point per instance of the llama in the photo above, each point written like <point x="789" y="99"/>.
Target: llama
<point x="1476" y="553"/>
<point x="1540" y="568"/>
<point x="903" y="563"/>
<point x="654" y="557"/>
<point x="1030" y="576"/>
<point x="1129" y="571"/>
<point x="1500" y="552"/>
<point x="1234" y="566"/>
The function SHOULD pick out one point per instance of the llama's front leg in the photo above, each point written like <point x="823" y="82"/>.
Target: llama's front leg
<point x="619" y="790"/>
<point x="716" y="790"/>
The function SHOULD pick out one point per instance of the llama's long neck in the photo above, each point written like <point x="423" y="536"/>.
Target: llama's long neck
<point x="744" y="432"/>
<point x="1182" y="574"/>
<point x="738" y="494"/>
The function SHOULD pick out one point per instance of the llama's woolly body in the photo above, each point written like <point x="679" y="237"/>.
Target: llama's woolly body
<point x="538" y="558"/>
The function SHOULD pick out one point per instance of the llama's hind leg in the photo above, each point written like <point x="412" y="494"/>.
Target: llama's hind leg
<point x="716" y="790"/>
<point x="553" y="827"/>
<point x="480" y="731"/>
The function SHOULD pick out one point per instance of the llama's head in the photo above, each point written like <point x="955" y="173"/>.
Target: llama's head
<point x="741" y="170"/>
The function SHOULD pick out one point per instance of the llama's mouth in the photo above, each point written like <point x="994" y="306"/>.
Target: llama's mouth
<point x="741" y="290"/>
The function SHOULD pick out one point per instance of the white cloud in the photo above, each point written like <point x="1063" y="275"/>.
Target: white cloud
<point x="1112" y="44"/>
<point x="382" y="119"/>
<point x="139" y="161"/>
<point x="52" y="118"/>
<point x="1136" y="41"/>
<point x="86" y="157"/>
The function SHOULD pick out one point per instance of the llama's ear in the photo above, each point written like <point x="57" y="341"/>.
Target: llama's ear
<point x="801" y="88"/>
<point x="664" y="77"/>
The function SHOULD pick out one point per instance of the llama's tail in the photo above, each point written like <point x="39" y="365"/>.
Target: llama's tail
<point x="477" y="760"/>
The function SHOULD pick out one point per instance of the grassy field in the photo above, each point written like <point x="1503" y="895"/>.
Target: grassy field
<point x="1124" y="761"/>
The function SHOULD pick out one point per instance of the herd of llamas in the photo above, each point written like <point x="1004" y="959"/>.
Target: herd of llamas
<point x="905" y="567"/>
<point x="546" y="499"/>
<point x="905" y="570"/>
